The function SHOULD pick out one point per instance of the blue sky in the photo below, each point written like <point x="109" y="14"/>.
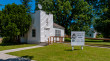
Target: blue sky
<point x="5" y="2"/>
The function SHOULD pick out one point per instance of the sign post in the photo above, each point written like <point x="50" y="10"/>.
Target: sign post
<point x="72" y="47"/>
<point x="77" y="39"/>
<point x="82" y="47"/>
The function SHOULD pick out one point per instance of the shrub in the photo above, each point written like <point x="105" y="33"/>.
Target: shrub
<point x="67" y="39"/>
<point x="5" y="40"/>
<point x="99" y="36"/>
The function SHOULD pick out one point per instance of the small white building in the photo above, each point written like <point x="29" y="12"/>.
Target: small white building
<point x="92" y="33"/>
<point x="42" y="28"/>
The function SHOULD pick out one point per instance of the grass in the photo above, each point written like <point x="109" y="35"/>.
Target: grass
<point x="97" y="43"/>
<point x="93" y="42"/>
<point x="63" y="52"/>
<point x="6" y="47"/>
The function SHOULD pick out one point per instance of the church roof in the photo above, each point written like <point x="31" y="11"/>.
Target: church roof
<point x="57" y="26"/>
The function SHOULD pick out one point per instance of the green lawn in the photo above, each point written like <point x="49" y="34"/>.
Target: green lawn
<point x="97" y="42"/>
<point x="93" y="42"/>
<point x="62" y="52"/>
<point x="6" y="47"/>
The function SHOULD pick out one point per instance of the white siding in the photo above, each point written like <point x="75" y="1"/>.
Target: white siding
<point x="45" y="34"/>
<point x="36" y="26"/>
<point x="62" y="32"/>
<point x="39" y="23"/>
<point x="91" y="34"/>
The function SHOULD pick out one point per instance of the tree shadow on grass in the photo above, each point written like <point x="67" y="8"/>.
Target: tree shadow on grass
<point x="71" y="49"/>
<point x="26" y="56"/>
<point x="23" y="58"/>
<point x="11" y="44"/>
<point x="100" y="45"/>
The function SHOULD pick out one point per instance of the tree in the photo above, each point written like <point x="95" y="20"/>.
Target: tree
<point x="26" y="4"/>
<point x="60" y="9"/>
<point x="0" y="22"/>
<point x="81" y="16"/>
<point x="14" y="21"/>
<point x="98" y="6"/>
<point x="1" y="5"/>
<point x="103" y="23"/>
<point x="102" y="13"/>
<point x="68" y="13"/>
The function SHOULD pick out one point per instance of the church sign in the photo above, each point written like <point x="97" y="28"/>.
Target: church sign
<point x="77" y="39"/>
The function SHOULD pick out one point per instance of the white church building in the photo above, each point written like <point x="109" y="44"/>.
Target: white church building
<point x="92" y="33"/>
<point x="42" y="28"/>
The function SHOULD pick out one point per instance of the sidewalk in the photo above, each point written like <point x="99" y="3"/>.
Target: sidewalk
<point x="7" y="57"/>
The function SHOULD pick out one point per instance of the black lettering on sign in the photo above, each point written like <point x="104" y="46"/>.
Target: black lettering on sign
<point x="74" y="36"/>
<point x="79" y="37"/>
<point x="73" y="40"/>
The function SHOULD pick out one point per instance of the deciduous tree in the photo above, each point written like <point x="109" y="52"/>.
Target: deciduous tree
<point x="14" y="21"/>
<point x="26" y="4"/>
<point x="72" y="14"/>
<point x="102" y="24"/>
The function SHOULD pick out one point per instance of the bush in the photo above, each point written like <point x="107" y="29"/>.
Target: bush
<point x="99" y="36"/>
<point x="7" y="41"/>
<point x="67" y="39"/>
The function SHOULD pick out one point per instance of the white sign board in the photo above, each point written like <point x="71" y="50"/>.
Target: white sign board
<point x="77" y="38"/>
